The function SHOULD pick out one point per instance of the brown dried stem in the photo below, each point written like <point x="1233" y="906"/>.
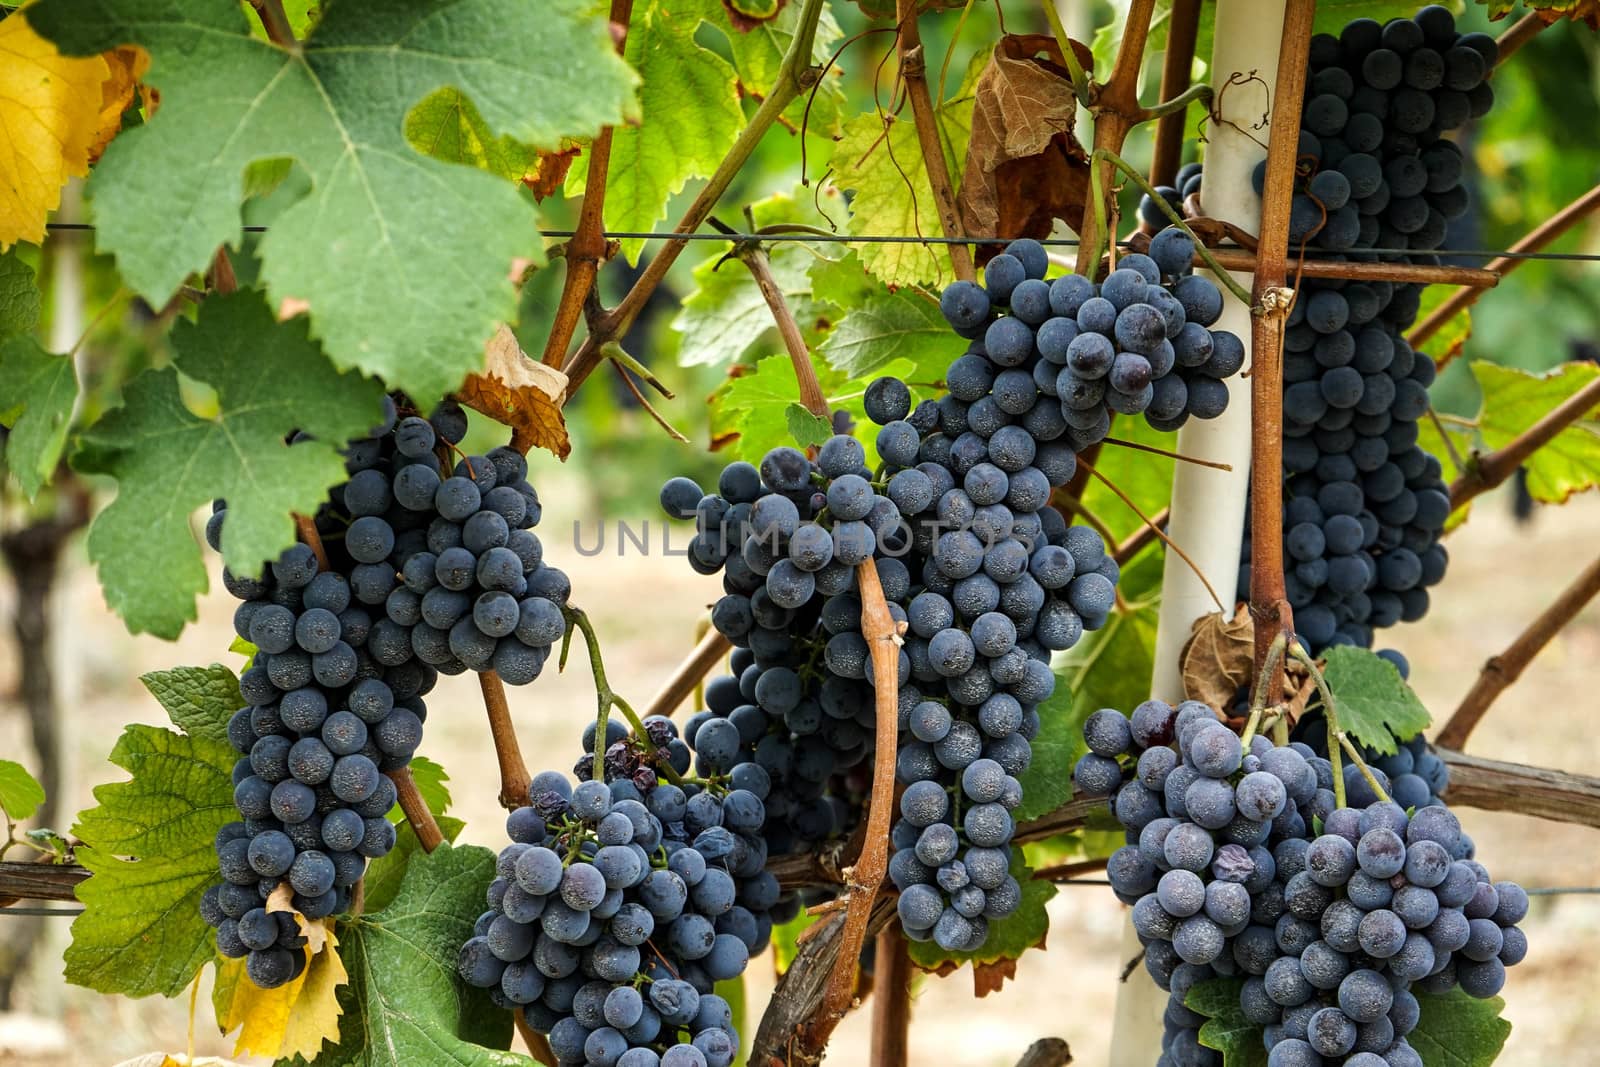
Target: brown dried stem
<point x="305" y="529"/>
<point x="1521" y="32"/>
<point x="1064" y="871"/>
<point x="586" y="248"/>
<point x="1492" y="785"/>
<point x="514" y="777"/>
<point x="1158" y="532"/>
<point x="1179" y="456"/>
<point x="275" y="21"/>
<point x="1183" y="28"/>
<point x="1487" y="470"/>
<point x="891" y="1000"/>
<point x="1478" y="277"/>
<point x="754" y="256"/>
<point x="1501" y="671"/>
<point x="537" y="1043"/>
<point x="913" y="74"/>
<point x="1116" y="110"/>
<point x="416" y="809"/>
<point x="1269" y="601"/>
<point x="1538" y="238"/>
<point x="1135" y="542"/>
<point x="796" y="74"/>
<point x="867" y="874"/>
<point x="712" y="647"/>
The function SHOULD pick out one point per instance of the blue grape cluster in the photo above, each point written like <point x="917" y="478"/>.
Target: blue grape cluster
<point x="1240" y="863"/>
<point x="1137" y="343"/>
<point x="621" y="902"/>
<point x="1364" y="505"/>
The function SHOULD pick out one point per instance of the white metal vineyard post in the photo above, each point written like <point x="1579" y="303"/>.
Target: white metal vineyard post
<point x="1208" y="506"/>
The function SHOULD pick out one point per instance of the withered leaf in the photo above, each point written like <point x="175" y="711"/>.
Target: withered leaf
<point x="1024" y="166"/>
<point x="520" y="392"/>
<point x="550" y="173"/>
<point x="989" y="977"/>
<point x="1218" y="658"/>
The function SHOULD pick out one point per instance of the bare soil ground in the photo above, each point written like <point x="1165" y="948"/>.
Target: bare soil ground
<point x="1501" y="576"/>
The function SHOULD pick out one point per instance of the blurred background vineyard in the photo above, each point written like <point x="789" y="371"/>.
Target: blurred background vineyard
<point x="1536" y="151"/>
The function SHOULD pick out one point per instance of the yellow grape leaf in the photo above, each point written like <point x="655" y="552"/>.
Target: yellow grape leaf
<point x="126" y="65"/>
<point x="177" y="1059"/>
<point x="520" y="392"/>
<point x="294" y="1019"/>
<point x="50" y="112"/>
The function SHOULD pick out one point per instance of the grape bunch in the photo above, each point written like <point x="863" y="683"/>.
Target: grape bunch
<point x="1137" y="343"/>
<point x="621" y="902"/>
<point x="1241" y="862"/>
<point x="1376" y="179"/>
<point x="425" y="571"/>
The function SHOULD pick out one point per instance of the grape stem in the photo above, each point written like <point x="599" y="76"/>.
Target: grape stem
<point x="891" y="1000"/>
<point x="1337" y="738"/>
<point x="514" y="777"/>
<point x="754" y="256"/>
<point x="913" y="75"/>
<point x="1081" y="88"/>
<point x="1264" y="679"/>
<point x="416" y="810"/>
<point x="606" y="699"/>
<point x="688" y="675"/>
<point x="1115" y="105"/>
<point x="275" y="22"/>
<point x="1227" y="279"/>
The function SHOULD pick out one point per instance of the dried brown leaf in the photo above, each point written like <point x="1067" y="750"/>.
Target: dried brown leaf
<point x="1024" y="167"/>
<point x="520" y="392"/>
<point x="989" y="977"/>
<point x="126" y="65"/>
<point x="1218" y="658"/>
<point x="550" y="173"/>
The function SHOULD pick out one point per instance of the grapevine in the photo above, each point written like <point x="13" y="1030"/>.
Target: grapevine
<point x="959" y="620"/>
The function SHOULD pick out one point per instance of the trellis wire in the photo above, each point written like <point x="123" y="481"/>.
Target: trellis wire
<point x="897" y="239"/>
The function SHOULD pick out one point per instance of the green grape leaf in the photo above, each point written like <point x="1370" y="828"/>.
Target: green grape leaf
<point x="726" y="313"/>
<point x="1009" y="938"/>
<point x="20" y="792"/>
<point x="1375" y="704"/>
<point x="1448" y="341"/>
<point x="1513" y="400"/>
<point x="892" y="197"/>
<point x="903" y="325"/>
<point x="689" y="118"/>
<point x="843" y="282"/>
<point x="447" y="126"/>
<point x="47" y="388"/>
<point x="385" y="873"/>
<point x="758" y="52"/>
<point x="430" y="779"/>
<point x="806" y="429"/>
<point x="270" y="379"/>
<point x="19" y="296"/>
<point x="1145" y="478"/>
<point x="750" y="411"/>
<point x="1549" y="10"/>
<point x="148" y="844"/>
<point x="1456" y="1030"/>
<point x="1226" y="1029"/>
<point x="383" y="227"/>
<point x="200" y="700"/>
<point x="1047" y="783"/>
<point x="404" y="1003"/>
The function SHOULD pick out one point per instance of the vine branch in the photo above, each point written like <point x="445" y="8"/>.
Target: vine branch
<point x="1269" y="600"/>
<point x="1183" y="29"/>
<point x="867" y="874"/>
<point x="796" y="74"/>
<point x="1485" y="471"/>
<point x="891" y="1000"/>
<point x="1080" y="80"/>
<point x="587" y="246"/>
<point x="1538" y="238"/>
<point x="1502" y="670"/>
<point x="1521" y="32"/>
<point x="1116" y="111"/>
<point x="1351" y="271"/>
<point x="688" y="674"/>
<point x="913" y="73"/>
<point x="754" y="256"/>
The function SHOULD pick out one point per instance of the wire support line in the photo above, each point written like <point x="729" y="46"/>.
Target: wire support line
<point x="736" y="237"/>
